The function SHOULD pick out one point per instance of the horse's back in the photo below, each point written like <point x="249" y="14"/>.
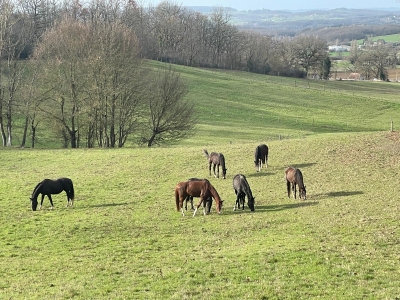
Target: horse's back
<point x="263" y="150"/>
<point x="290" y="174"/>
<point x="240" y="183"/>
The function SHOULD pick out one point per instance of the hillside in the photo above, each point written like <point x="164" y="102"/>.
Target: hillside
<point x="340" y="23"/>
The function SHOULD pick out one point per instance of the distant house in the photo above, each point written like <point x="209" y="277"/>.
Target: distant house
<point x="341" y="48"/>
<point x="354" y="76"/>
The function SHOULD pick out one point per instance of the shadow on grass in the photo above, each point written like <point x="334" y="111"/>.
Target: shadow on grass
<point x="264" y="208"/>
<point x="298" y="166"/>
<point x="260" y="174"/>
<point x="337" y="194"/>
<point x="108" y="204"/>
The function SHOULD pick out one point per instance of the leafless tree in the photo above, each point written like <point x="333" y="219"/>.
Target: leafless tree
<point x="15" y="34"/>
<point x="170" y="116"/>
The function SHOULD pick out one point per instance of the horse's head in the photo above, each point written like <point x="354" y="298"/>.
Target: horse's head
<point x="256" y="164"/>
<point x="224" y="172"/>
<point x="251" y="203"/>
<point x="219" y="205"/>
<point x="34" y="203"/>
<point x="303" y="193"/>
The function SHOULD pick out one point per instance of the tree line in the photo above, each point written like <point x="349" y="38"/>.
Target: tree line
<point x="79" y="68"/>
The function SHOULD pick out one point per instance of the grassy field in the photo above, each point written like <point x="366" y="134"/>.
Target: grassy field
<point x="124" y="239"/>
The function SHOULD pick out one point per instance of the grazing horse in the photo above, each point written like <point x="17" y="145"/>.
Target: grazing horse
<point x="190" y="198"/>
<point x="216" y="159"/>
<point x="196" y="188"/>
<point x="49" y="187"/>
<point x="242" y="189"/>
<point x="261" y="157"/>
<point x="294" y="176"/>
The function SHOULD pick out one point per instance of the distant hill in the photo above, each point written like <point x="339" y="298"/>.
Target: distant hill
<point x="340" y="23"/>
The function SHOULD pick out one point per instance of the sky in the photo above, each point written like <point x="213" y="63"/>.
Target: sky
<point x="285" y="4"/>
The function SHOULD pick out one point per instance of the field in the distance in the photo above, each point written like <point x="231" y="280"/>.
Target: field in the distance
<point x="124" y="239"/>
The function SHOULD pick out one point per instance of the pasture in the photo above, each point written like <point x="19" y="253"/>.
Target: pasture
<point x="124" y="239"/>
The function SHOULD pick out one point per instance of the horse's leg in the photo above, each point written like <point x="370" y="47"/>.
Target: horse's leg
<point x="218" y="171"/>
<point x="214" y="165"/>
<point x="243" y="200"/>
<point x="51" y="201"/>
<point x="204" y="207"/>
<point x="41" y="202"/>
<point x="288" y="188"/>
<point x="191" y="202"/>
<point x="209" y="167"/>
<point x="237" y="203"/>
<point x="181" y="199"/>
<point x="294" y="189"/>
<point x="198" y="205"/>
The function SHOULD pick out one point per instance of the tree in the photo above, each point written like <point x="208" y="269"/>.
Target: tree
<point x="307" y="52"/>
<point x="95" y="75"/>
<point x="170" y="117"/>
<point x="374" y="62"/>
<point x="15" y="34"/>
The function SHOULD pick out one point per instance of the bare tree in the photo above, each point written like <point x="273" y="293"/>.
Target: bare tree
<point x="170" y="117"/>
<point x="307" y="52"/>
<point x="15" y="34"/>
<point x="65" y="48"/>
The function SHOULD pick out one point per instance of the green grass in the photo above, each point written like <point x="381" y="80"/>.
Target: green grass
<point x="124" y="239"/>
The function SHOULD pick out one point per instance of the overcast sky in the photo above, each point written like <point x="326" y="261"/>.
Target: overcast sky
<point x="285" y="4"/>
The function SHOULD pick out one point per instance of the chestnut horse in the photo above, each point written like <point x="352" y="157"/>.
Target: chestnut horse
<point x="294" y="176"/>
<point x="196" y="188"/>
<point x="190" y="199"/>
<point x="261" y="157"/>
<point x="216" y="159"/>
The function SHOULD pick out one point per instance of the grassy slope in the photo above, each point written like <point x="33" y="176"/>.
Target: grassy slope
<point x="124" y="238"/>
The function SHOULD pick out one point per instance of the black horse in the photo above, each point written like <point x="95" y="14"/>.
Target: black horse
<point x="49" y="187"/>
<point x="216" y="159"/>
<point x="242" y="189"/>
<point x="261" y="156"/>
<point x="190" y="198"/>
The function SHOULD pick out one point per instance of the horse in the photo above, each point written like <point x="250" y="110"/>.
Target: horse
<point x="190" y="198"/>
<point x="294" y="176"/>
<point x="261" y="157"/>
<point x="49" y="187"/>
<point x="196" y="188"/>
<point x="242" y="189"/>
<point x="216" y="159"/>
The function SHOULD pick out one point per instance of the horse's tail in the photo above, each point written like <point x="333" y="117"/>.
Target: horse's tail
<point x="288" y="186"/>
<point x="72" y="191"/>
<point x="206" y="153"/>
<point x="177" y="198"/>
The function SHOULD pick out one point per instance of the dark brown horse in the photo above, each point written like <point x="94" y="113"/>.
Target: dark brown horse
<point x="261" y="157"/>
<point x="216" y="159"/>
<point x="242" y="189"/>
<point x="294" y="177"/>
<point x="196" y="188"/>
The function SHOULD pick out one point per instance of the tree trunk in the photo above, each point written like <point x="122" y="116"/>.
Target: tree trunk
<point x="25" y="132"/>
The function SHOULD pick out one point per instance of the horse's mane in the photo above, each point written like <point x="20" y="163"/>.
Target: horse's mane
<point x="35" y="192"/>
<point x="221" y="160"/>
<point x="299" y="178"/>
